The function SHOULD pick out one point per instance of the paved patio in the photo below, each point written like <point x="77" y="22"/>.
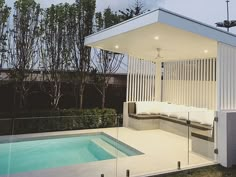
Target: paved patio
<point x="162" y="151"/>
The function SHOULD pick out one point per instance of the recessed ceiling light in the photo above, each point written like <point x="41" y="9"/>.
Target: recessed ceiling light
<point x="156" y="37"/>
<point x="206" y="51"/>
<point x="117" y="47"/>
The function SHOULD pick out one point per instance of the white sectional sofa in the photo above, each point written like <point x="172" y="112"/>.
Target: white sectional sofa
<point x="196" y="123"/>
<point x="198" y="115"/>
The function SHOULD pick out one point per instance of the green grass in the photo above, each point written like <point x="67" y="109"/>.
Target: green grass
<point x="211" y="171"/>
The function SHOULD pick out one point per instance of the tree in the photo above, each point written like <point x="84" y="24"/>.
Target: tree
<point x="105" y="63"/>
<point x="136" y="9"/>
<point x="4" y="31"/>
<point x="24" y="46"/>
<point x="81" y="26"/>
<point x="55" y="50"/>
<point x="106" y="19"/>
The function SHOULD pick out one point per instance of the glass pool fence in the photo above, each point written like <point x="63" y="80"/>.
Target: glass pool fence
<point x="99" y="146"/>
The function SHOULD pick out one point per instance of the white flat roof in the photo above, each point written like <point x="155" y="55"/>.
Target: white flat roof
<point x="179" y="37"/>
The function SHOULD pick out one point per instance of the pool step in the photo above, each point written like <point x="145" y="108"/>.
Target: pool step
<point x="109" y="148"/>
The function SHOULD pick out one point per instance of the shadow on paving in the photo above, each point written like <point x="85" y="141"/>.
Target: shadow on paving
<point x="211" y="171"/>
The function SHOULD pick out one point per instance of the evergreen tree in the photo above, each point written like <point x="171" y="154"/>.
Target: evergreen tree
<point x="24" y="40"/>
<point x="136" y="9"/>
<point x="82" y="25"/>
<point x="4" y="31"/>
<point x="105" y="63"/>
<point x="55" y="50"/>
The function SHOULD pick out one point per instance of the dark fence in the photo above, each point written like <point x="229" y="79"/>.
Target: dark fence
<point x="39" y="100"/>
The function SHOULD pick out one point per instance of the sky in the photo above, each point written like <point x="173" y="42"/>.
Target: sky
<point x="206" y="11"/>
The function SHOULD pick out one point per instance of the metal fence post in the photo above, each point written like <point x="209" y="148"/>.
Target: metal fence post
<point x="127" y="173"/>
<point x="179" y="165"/>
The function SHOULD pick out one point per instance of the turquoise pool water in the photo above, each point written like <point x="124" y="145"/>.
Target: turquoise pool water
<point x="49" y="152"/>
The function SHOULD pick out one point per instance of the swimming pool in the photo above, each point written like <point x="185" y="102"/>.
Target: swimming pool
<point x="25" y="155"/>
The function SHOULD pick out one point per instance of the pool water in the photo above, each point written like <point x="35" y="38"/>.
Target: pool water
<point x="38" y="154"/>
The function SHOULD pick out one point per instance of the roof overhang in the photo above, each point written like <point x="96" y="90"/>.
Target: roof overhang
<point x="178" y="37"/>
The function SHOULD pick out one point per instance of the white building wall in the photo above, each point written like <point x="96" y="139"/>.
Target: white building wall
<point x="226" y="62"/>
<point x="226" y="104"/>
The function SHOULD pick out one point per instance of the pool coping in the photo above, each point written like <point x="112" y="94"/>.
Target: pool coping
<point x="34" y="137"/>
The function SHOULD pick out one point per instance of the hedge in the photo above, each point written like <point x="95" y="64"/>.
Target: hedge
<point x="70" y="119"/>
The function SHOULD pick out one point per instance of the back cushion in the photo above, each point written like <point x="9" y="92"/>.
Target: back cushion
<point x="155" y="107"/>
<point x="208" y="118"/>
<point x="197" y="114"/>
<point x="142" y="108"/>
<point x="149" y="107"/>
<point x="180" y="112"/>
<point x="166" y="108"/>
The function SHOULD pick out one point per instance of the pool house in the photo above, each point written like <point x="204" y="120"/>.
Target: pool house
<point x="181" y="88"/>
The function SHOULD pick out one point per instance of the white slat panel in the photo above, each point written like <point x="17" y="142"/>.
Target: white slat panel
<point x="195" y="84"/>
<point x="130" y="80"/>
<point x="153" y="81"/>
<point x="158" y="82"/>
<point x="140" y="80"/>
<point x="185" y="84"/>
<point x="214" y="85"/>
<point x="225" y="78"/>
<point x="171" y="82"/>
<point x="199" y="83"/>
<point x="135" y="80"/>
<point x="210" y="88"/>
<point x="167" y="82"/>
<point x="234" y="81"/>
<point x="220" y="78"/>
<point x="202" y="83"/>
<point x="182" y="82"/>
<point x="128" y="85"/>
<point x="149" y="81"/>
<point x="190" y="82"/>
<point x="178" y="81"/>
<point x="207" y="84"/>
<point x="230" y="76"/>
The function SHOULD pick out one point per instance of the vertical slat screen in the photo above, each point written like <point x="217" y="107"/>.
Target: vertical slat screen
<point x="141" y="80"/>
<point x="190" y="82"/>
<point x="226" y="83"/>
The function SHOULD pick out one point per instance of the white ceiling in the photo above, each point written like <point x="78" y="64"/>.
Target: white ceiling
<point x="175" y="44"/>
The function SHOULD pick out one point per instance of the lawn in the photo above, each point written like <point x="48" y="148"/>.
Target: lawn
<point x="211" y="171"/>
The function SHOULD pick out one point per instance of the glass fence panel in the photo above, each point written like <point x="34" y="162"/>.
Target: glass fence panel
<point x="158" y="143"/>
<point x="5" y="146"/>
<point x="67" y="145"/>
<point x="60" y="146"/>
<point x="202" y="137"/>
